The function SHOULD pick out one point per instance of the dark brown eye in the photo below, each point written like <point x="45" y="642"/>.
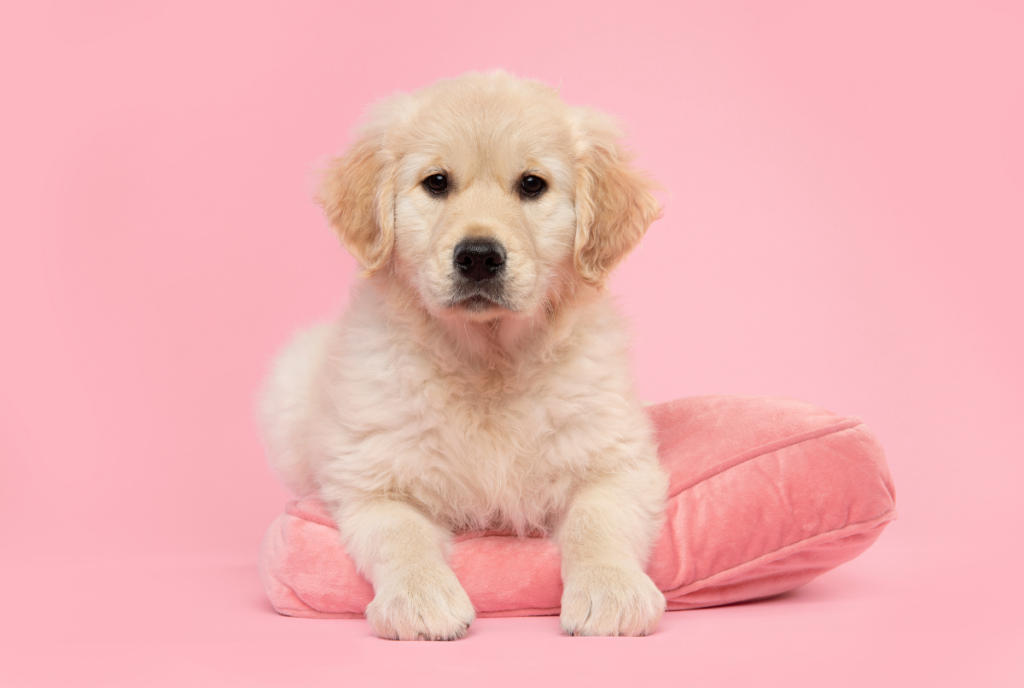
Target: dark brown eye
<point x="436" y="184"/>
<point x="532" y="186"/>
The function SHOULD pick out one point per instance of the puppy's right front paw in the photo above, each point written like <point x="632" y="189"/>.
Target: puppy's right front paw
<point x="422" y="603"/>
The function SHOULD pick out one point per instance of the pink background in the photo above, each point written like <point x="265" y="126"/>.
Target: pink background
<point x="845" y="211"/>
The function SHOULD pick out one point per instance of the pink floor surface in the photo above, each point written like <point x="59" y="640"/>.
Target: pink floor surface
<point x="843" y="225"/>
<point x="178" y="621"/>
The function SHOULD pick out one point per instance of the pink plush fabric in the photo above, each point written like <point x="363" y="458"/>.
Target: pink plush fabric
<point x="766" y="494"/>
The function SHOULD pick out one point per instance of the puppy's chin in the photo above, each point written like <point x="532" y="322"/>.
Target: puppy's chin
<point x="477" y="304"/>
<point x="478" y="308"/>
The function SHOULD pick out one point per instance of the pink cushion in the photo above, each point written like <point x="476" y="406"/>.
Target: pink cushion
<point x="766" y="494"/>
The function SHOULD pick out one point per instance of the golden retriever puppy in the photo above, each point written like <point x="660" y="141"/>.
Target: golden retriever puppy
<point x="479" y="379"/>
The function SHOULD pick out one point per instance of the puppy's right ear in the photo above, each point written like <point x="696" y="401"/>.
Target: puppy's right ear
<point x="357" y="195"/>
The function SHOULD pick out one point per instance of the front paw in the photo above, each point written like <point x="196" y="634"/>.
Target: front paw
<point x="421" y="603"/>
<point x="604" y="600"/>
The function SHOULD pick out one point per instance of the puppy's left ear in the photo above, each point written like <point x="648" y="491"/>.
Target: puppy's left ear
<point x="614" y="204"/>
<point x="357" y="195"/>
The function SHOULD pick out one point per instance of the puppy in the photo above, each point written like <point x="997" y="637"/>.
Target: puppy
<point x="479" y="378"/>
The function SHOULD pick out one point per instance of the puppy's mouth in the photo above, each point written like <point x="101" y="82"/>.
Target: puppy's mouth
<point x="477" y="303"/>
<point x="478" y="300"/>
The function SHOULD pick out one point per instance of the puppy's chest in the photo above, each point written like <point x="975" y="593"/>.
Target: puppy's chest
<point x="469" y="419"/>
<point x="491" y="455"/>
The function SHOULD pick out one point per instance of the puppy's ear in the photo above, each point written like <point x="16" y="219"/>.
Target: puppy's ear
<point x="614" y="204"/>
<point x="357" y="195"/>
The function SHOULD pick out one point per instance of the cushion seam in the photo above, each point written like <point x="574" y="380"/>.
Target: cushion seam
<point x="764" y="449"/>
<point x="782" y="552"/>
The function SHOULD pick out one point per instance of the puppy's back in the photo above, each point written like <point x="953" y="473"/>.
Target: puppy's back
<point x="286" y="407"/>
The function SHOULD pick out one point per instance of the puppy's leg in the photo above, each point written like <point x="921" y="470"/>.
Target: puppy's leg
<point x="402" y="553"/>
<point x="605" y="538"/>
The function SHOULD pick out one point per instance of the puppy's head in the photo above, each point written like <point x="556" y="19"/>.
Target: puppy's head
<point x="485" y="193"/>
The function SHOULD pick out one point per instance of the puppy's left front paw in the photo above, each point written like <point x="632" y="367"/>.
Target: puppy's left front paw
<point x="604" y="600"/>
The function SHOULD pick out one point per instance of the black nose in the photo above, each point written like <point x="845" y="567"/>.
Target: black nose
<point x="479" y="259"/>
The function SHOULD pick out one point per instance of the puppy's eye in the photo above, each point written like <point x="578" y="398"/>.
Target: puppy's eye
<point x="436" y="184"/>
<point x="532" y="186"/>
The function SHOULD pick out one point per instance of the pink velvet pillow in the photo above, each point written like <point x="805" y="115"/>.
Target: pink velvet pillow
<point x="766" y="494"/>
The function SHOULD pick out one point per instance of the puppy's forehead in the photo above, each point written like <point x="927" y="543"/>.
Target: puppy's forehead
<point x="496" y="126"/>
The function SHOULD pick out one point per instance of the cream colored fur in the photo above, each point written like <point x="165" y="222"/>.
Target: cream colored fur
<point x="416" y="416"/>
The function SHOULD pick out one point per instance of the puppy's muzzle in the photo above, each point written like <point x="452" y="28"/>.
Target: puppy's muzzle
<point x="478" y="260"/>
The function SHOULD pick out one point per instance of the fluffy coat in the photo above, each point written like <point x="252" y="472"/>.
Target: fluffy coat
<point x="438" y="404"/>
